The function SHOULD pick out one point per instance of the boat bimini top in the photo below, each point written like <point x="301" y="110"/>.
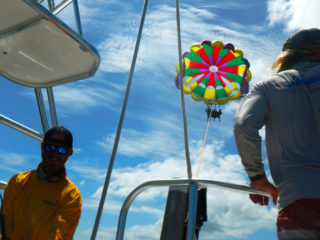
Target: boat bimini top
<point x="39" y="50"/>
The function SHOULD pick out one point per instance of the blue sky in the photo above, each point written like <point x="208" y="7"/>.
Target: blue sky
<point x="151" y="144"/>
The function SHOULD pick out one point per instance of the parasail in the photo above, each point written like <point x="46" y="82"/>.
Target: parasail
<point x="214" y="72"/>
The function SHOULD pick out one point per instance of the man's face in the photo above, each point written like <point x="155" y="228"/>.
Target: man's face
<point x="52" y="160"/>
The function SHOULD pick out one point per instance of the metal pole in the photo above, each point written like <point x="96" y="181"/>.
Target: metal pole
<point x="2" y="185"/>
<point x="61" y="6"/>
<point x="182" y="95"/>
<point x="192" y="210"/>
<point x="77" y="16"/>
<point x="51" y="5"/>
<point x="17" y="126"/>
<point x="42" y="110"/>
<point x="117" y="137"/>
<point x="52" y="107"/>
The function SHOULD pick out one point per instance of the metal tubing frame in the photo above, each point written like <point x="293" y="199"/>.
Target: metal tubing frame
<point x="28" y="131"/>
<point x="192" y="210"/>
<point x="77" y="16"/>
<point x="42" y="110"/>
<point x="179" y="182"/>
<point x="185" y="128"/>
<point x="61" y="6"/>
<point x="20" y="27"/>
<point x="2" y="185"/>
<point x="52" y="107"/>
<point x="119" y="127"/>
<point x="18" y="126"/>
<point x="56" y="9"/>
<point x="51" y="5"/>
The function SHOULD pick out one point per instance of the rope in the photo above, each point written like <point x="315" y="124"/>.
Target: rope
<point x="204" y="142"/>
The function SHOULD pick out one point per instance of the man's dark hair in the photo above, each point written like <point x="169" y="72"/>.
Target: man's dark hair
<point x="62" y="131"/>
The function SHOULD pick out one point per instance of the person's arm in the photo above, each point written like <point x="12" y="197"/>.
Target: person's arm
<point x="249" y="119"/>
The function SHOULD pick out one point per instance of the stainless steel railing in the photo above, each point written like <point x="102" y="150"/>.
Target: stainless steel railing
<point x="2" y="184"/>
<point x="20" y="127"/>
<point x="193" y="184"/>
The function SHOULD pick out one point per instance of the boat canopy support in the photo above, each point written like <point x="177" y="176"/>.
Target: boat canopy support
<point x="19" y="127"/>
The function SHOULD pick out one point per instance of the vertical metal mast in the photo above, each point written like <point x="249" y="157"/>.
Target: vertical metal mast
<point x="181" y="93"/>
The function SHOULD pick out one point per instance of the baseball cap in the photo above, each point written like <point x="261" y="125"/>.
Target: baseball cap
<point x="299" y="39"/>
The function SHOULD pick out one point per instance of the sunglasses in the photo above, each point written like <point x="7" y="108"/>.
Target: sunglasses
<point x="49" y="147"/>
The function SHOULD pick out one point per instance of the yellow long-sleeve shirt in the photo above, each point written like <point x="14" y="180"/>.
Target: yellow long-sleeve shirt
<point x="35" y="210"/>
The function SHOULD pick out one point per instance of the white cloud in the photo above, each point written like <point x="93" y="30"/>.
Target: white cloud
<point x="295" y="14"/>
<point x="87" y="172"/>
<point x="231" y="107"/>
<point x="230" y="214"/>
<point x="279" y="10"/>
<point x="122" y="182"/>
<point x="103" y="233"/>
<point x="110" y="206"/>
<point x="13" y="159"/>
<point x="215" y="164"/>
<point x="146" y="232"/>
<point x="116" y="53"/>
<point x="9" y="169"/>
<point x="158" y="47"/>
<point x="227" y="219"/>
<point x="135" y="143"/>
<point x="262" y="133"/>
<point x="114" y="206"/>
<point x="260" y="66"/>
<point x="158" y="34"/>
<point x="15" y="163"/>
<point x="79" y="98"/>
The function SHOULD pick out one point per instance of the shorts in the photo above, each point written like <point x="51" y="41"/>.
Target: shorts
<point x="300" y="220"/>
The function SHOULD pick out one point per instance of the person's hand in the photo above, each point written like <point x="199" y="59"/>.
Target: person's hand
<point x="265" y="186"/>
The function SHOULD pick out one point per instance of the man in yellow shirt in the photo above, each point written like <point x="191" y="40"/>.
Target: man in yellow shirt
<point x="43" y="204"/>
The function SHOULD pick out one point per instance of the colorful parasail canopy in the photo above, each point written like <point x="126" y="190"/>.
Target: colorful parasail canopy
<point x="214" y="72"/>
